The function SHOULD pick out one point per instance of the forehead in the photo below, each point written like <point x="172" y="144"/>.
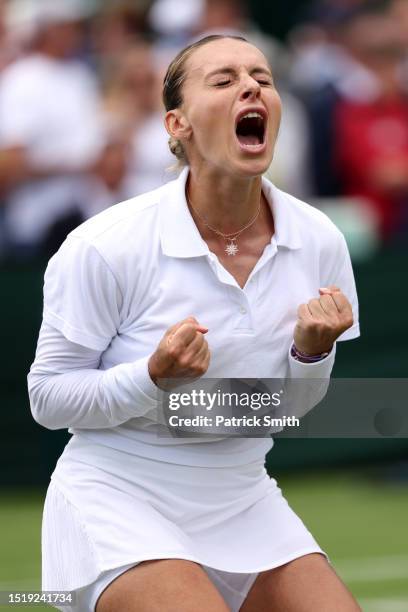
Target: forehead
<point x="221" y="53"/>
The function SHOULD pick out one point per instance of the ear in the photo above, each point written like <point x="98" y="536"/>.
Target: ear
<point x="177" y="124"/>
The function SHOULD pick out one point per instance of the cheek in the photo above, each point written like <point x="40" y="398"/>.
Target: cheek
<point x="276" y="113"/>
<point x="209" y="123"/>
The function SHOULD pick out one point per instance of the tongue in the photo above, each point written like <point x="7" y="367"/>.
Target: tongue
<point x="249" y="139"/>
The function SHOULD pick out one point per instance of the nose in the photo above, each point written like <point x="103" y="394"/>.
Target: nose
<point x="250" y="89"/>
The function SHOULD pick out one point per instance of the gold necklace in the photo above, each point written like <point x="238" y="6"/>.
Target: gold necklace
<point x="232" y="246"/>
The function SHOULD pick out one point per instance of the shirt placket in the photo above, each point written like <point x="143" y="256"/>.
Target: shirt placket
<point x="243" y="300"/>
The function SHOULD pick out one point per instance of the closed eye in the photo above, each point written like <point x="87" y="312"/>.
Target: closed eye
<point x="224" y="83"/>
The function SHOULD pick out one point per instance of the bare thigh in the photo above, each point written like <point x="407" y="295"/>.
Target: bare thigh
<point x="165" y="585"/>
<point x="306" y="584"/>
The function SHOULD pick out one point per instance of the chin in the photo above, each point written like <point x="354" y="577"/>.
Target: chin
<point x="251" y="168"/>
<point x="251" y="164"/>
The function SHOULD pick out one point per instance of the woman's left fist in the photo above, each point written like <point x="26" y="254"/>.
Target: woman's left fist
<point x="322" y="320"/>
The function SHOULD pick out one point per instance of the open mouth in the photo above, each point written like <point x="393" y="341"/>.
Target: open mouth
<point x="250" y="130"/>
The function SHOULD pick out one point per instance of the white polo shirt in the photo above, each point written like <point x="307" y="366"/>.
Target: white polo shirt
<point x="125" y="276"/>
<point x="52" y="109"/>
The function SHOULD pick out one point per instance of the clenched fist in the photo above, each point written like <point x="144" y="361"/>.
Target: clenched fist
<point x="321" y="321"/>
<point x="182" y="353"/>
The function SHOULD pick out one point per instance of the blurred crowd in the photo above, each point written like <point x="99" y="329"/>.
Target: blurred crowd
<point x="81" y="123"/>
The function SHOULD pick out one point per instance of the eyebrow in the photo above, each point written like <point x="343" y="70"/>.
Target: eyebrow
<point x="230" y="70"/>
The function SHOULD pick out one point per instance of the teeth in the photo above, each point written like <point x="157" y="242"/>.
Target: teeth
<point x="252" y="115"/>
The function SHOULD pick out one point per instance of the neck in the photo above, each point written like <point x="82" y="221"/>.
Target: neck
<point x="224" y="201"/>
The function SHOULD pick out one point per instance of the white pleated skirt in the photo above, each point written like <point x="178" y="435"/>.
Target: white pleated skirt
<point x="107" y="510"/>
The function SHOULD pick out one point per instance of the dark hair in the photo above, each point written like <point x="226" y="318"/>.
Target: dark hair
<point x="174" y="80"/>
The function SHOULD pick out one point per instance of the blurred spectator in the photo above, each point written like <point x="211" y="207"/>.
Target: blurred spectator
<point x="399" y="9"/>
<point x="9" y="48"/>
<point x="290" y="169"/>
<point x="174" y="22"/>
<point x="360" y="121"/>
<point x="151" y="163"/>
<point x="131" y="86"/>
<point x="49" y="128"/>
<point x="132" y="98"/>
<point x="232" y="17"/>
<point x="105" y="185"/>
<point x="179" y="23"/>
<point x="101" y="187"/>
<point x="116" y="28"/>
<point x="319" y="58"/>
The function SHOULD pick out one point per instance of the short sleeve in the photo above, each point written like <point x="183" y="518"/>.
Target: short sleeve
<point x="336" y="269"/>
<point x="81" y="295"/>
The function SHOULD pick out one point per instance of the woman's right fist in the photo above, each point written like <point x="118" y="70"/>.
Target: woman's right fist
<point x="182" y="353"/>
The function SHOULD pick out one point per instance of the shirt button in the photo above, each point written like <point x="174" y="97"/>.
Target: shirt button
<point x="242" y="310"/>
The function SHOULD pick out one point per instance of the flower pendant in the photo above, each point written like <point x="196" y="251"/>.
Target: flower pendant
<point x="231" y="248"/>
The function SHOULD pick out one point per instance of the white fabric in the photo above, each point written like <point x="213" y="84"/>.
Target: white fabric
<point x="26" y="17"/>
<point x="65" y="379"/>
<point x="50" y="108"/>
<point x="107" y="510"/>
<point x="150" y="161"/>
<point x="121" y="494"/>
<point x="122" y="278"/>
<point x="172" y="17"/>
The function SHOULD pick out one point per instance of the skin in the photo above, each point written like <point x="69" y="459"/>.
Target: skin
<point x="184" y="587"/>
<point x="231" y="178"/>
<point x="306" y="584"/>
<point x="182" y="353"/>
<point x="220" y="171"/>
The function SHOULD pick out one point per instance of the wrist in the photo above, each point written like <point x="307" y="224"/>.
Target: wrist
<point x="304" y="357"/>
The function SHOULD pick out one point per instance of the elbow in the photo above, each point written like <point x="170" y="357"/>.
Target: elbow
<point x="42" y="418"/>
<point x="41" y="409"/>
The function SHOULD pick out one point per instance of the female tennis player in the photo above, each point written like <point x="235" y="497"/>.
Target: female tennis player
<point x="216" y="274"/>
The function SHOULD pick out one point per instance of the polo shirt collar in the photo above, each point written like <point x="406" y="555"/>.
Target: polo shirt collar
<point x="179" y="234"/>
<point x="286" y="223"/>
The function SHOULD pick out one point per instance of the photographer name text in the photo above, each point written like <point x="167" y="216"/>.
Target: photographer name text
<point x="222" y="421"/>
